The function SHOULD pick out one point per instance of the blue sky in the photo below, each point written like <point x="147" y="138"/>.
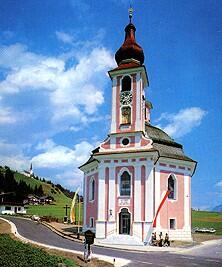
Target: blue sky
<point x="55" y="95"/>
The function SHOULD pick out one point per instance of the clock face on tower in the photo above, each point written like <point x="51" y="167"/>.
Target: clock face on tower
<point x="125" y="98"/>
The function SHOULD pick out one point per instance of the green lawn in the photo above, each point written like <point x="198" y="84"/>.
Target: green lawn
<point x="16" y="254"/>
<point x="206" y="219"/>
<point x="57" y="211"/>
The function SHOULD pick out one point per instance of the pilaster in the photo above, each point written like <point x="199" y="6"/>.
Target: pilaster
<point x="85" y="199"/>
<point x="137" y="193"/>
<point x="138" y="103"/>
<point x="187" y="207"/>
<point x="101" y="192"/>
<point x="113" y="122"/>
<point x="149" y="192"/>
<point x="112" y="191"/>
<point x="157" y="195"/>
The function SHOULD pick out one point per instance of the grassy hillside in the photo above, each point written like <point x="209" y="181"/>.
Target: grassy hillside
<point x="57" y="208"/>
<point x="48" y="189"/>
<point x="206" y="219"/>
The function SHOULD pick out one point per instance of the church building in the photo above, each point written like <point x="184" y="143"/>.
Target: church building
<point x="138" y="180"/>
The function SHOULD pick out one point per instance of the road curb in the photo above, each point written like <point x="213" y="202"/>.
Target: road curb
<point x="119" y="262"/>
<point x="60" y="233"/>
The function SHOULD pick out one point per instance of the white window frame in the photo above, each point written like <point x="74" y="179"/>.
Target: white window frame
<point x="175" y="187"/>
<point x="119" y="182"/>
<point x="175" y="223"/>
<point x="121" y="83"/>
<point x="131" y="115"/>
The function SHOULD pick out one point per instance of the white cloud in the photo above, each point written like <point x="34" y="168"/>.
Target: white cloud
<point x="48" y="144"/>
<point x="58" y="156"/>
<point x="72" y="179"/>
<point x="65" y="161"/>
<point x="12" y="155"/>
<point x="7" y="116"/>
<point x="181" y="123"/>
<point x="72" y="91"/>
<point x="61" y="159"/>
<point x="67" y="94"/>
<point x="219" y="184"/>
<point x="16" y="56"/>
<point x="64" y="37"/>
<point x="10" y="116"/>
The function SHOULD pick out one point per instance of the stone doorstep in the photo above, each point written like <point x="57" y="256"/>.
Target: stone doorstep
<point x="123" y="247"/>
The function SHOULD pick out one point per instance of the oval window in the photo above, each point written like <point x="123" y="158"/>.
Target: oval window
<point x="125" y="141"/>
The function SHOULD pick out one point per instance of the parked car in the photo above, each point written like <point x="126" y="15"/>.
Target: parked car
<point x="36" y="218"/>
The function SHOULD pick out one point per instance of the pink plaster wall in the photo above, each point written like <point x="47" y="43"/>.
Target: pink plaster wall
<point x="144" y="142"/>
<point x="106" y="145"/>
<point x="172" y="208"/>
<point x="134" y="102"/>
<point x="91" y="206"/>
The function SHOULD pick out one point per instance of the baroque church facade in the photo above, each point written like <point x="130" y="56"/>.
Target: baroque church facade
<point x="139" y="179"/>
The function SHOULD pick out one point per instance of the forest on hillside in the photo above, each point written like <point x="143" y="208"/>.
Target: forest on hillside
<point x="13" y="191"/>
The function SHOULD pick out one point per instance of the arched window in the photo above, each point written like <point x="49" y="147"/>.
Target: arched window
<point x="172" y="187"/>
<point x="126" y="115"/>
<point x="91" y="189"/>
<point x="125" y="185"/>
<point x="126" y="84"/>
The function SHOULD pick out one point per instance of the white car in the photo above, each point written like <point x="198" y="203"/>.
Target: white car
<point x="35" y="218"/>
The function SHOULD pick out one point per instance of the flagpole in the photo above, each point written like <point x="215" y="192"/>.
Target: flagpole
<point x="73" y="207"/>
<point x="79" y="209"/>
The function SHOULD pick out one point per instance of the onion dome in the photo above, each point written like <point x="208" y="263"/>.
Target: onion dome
<point x="129" y="49"/>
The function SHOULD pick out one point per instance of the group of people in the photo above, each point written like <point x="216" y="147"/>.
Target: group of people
<point x="160" y="242"/>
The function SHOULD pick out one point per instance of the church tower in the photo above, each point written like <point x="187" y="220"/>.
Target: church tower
<point x="138" y="180"/>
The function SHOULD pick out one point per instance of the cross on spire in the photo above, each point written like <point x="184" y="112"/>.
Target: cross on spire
<point x="130" y="10"/>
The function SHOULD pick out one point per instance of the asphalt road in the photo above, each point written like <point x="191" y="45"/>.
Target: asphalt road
<point x="203" y="256"/>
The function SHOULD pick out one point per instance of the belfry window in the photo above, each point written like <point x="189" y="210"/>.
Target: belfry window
<point x="172" y="187"/>
<point x="91" y="189"/>
<point x="126" y="115"/>
<point x="126" y="84"/>
<point x="125" y="184"/>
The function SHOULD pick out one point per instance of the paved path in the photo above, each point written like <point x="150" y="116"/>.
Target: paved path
<point x="211" y="249"/>
<point x="40" y="233"/>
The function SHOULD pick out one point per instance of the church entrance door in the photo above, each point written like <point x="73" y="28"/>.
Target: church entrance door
<point x="124" y="222"/>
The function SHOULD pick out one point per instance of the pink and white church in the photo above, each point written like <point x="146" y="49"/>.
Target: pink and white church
<point x="138" y="180"/>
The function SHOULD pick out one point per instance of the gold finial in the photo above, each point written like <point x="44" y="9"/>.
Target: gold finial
<point x="130" y="10"/>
